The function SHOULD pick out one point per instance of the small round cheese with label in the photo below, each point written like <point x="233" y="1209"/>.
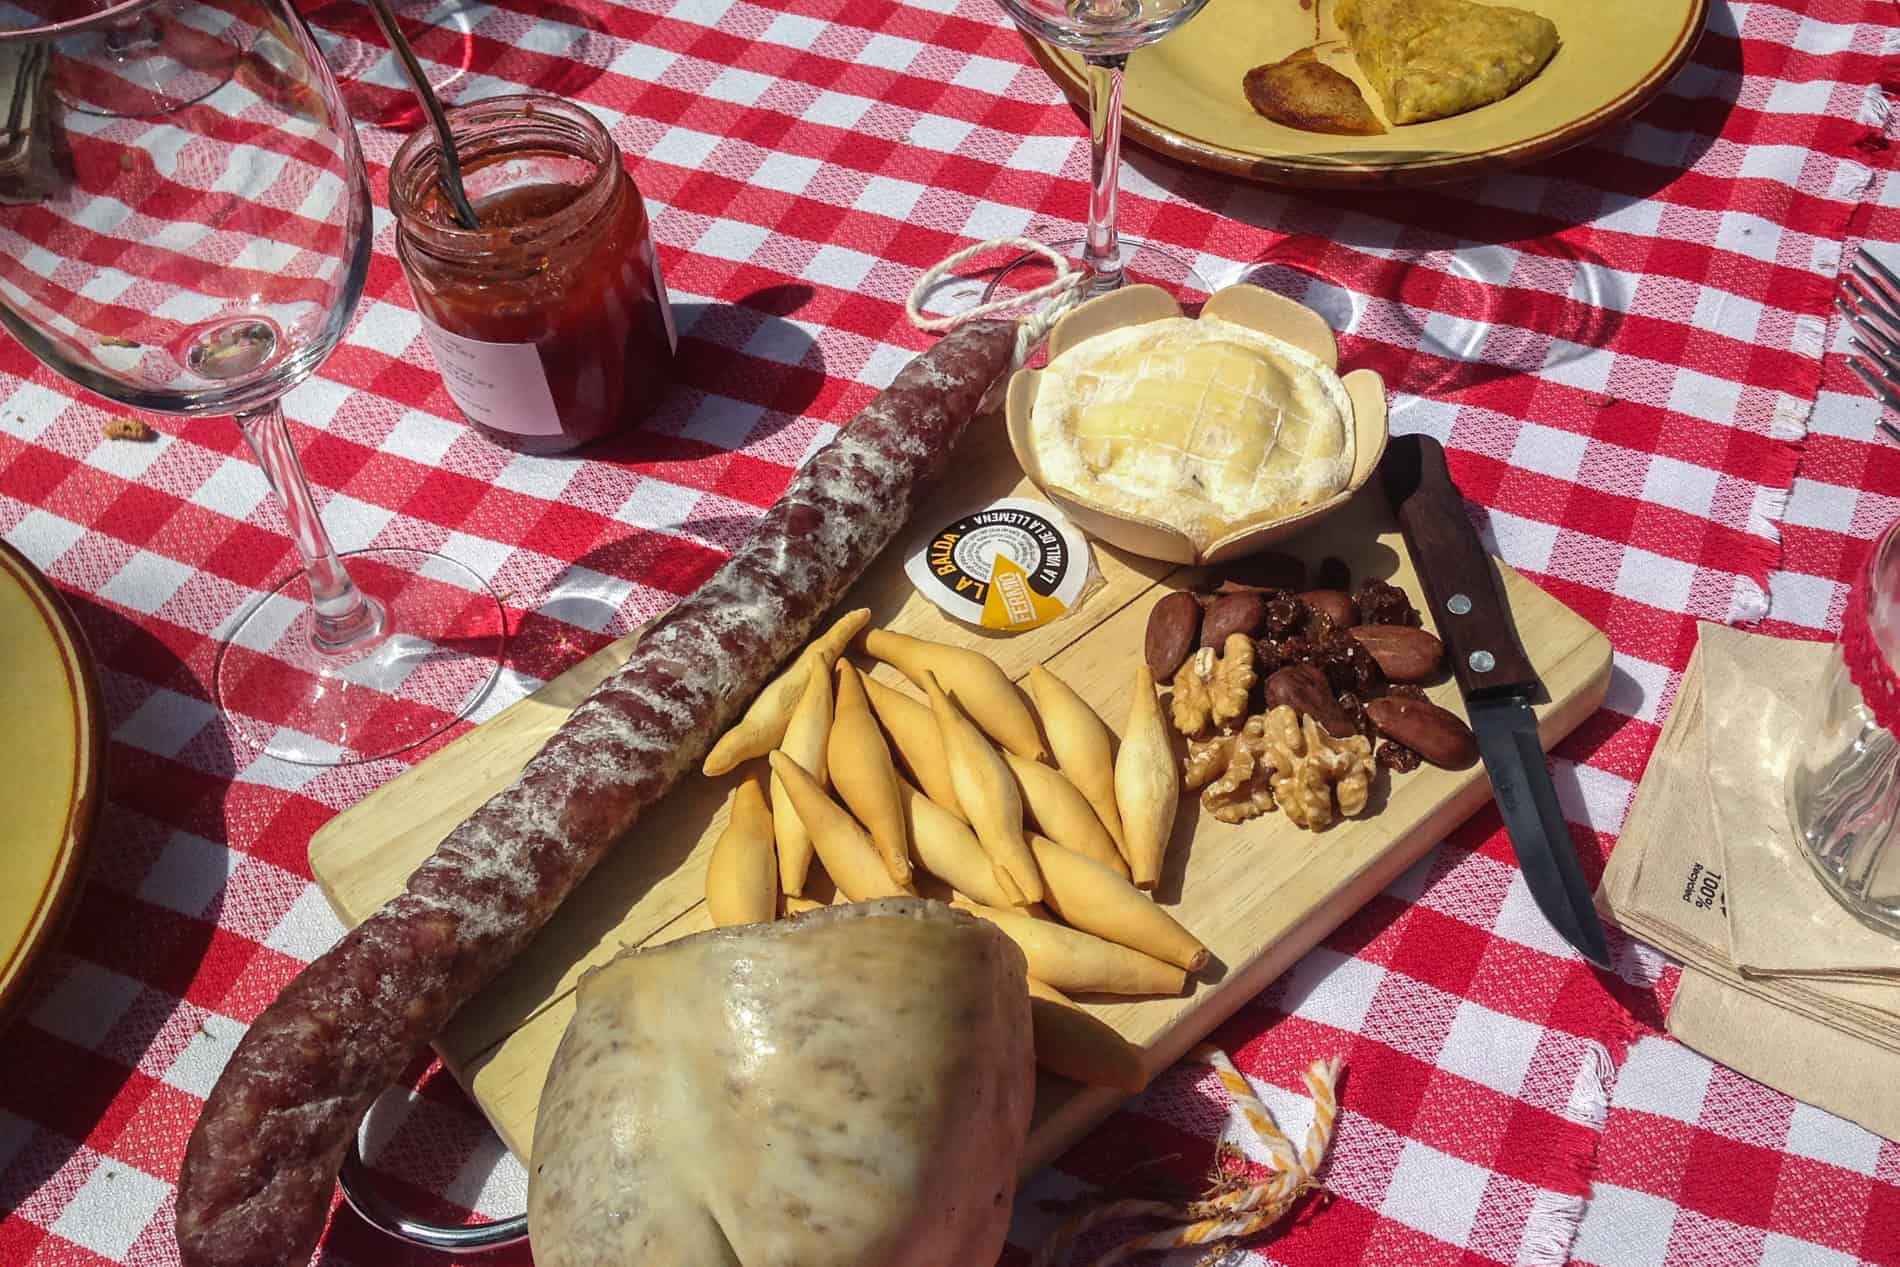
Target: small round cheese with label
<point x="1011" y="565"/>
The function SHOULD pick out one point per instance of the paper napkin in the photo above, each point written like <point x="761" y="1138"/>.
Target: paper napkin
<point x="1782" y="919"/>
<point x="1671" y="882"/>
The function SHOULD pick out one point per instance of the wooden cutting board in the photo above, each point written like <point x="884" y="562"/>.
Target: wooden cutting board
<point x="1259" y="894"/>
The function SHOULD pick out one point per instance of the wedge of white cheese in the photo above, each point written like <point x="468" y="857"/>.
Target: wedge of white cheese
<point x="849" y="1089"/>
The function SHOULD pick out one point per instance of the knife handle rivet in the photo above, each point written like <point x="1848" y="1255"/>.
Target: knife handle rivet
<point x="1458" y="605"/>
<point x="1481" y="661"/>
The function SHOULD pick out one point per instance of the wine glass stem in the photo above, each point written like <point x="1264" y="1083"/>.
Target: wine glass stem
<point x="1101" y="253"/>
<point x="343" y="618"/>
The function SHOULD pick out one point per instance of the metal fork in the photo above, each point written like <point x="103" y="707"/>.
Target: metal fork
<point x="1869" y="298"/>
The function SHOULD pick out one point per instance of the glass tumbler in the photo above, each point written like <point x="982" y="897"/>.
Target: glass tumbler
<point x="1843" y="786"/>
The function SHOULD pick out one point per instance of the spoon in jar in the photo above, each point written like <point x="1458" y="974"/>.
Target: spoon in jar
<point x="450" y="176"/>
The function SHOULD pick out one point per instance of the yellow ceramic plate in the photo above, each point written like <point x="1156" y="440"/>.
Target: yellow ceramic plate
<point x="1183" y="97"/>
<point x="51" y="765"/>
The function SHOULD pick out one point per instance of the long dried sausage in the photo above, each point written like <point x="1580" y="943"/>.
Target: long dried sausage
<point x="262" y="1161"/>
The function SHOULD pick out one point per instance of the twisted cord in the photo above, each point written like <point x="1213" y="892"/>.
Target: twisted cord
<point x="1055" y="297"/>
<point x="1233" y="1213"/>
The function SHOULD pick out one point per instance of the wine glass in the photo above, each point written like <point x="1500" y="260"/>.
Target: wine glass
<point x="204" y="261"/>
<point x="1105" y="32"/>
<point x="155" y="62"/>
<point x="441" y="32"/>
<point x="569" y="47"/>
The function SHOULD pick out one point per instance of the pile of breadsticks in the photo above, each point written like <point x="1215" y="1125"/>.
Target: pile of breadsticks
<point x="1032" y="818"/>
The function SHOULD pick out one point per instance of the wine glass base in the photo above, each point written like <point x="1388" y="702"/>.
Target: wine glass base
<point x="439" y="654"/>
<point x="371" y="79"/>
<point x="1463" y="306"/>
<point x="150" y="65"/>
<point x="1143" y="263"/>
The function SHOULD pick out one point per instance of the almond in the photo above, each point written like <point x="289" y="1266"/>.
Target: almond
<point x="1440" y="737"/>
<point x="1336" y="605"/>
<point x="1304" y="688"/>
<point x="1244" y="612"/>
<point x="1174" y="626"/>
<point x="1404" y="653"/>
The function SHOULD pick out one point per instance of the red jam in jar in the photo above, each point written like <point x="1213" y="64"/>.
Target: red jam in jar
<point x="549" y="322"/>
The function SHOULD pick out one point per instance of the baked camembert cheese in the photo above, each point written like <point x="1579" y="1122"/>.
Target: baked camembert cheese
<point x="1204" y="425"/>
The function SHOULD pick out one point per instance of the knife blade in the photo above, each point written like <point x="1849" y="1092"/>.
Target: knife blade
<point x="1496" y="679"/>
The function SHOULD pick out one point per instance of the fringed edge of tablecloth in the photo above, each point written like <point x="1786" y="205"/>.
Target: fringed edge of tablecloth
<point x="1854" y="181"/>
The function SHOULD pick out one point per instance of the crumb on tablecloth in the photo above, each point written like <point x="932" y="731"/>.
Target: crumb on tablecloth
<point x="128" y="429"/>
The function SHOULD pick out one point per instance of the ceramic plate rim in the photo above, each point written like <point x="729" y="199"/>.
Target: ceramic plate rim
<point x="74" y="849"/>
<point x="1283" y="168"/>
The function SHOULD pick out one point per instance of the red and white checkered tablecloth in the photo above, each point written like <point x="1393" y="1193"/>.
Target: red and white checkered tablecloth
<point x="1628" y="350"/>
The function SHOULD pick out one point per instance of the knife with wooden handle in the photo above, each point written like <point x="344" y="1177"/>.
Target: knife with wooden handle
<point x="1496" y="678"/>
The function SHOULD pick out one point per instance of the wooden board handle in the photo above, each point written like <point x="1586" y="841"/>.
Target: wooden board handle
<point x="1458" y="577"/>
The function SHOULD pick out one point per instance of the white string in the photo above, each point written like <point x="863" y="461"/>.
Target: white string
<point x="1056" y="297"/>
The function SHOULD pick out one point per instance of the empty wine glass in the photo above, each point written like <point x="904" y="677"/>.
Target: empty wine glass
<point x="151" y="60"/>
<point x="441" y="32"/>
<point x="469" y="49"/>
<point x="1105" y="32"/>
<point x="204" y="261"/>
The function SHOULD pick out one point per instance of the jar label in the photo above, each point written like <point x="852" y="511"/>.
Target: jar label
<point x="500" y="385"/>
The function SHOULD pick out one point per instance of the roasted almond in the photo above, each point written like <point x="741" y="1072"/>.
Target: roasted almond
<point x="1440" y="737"/>
<point x="1174" y="626"/>
<point x="1304" y="688"/>
<point x="1244" y="612"/>
<point x="1335" y="605"/>
<point x="1404" y="653"/>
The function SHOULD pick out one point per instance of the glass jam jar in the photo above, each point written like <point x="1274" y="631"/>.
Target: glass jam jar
<point x="1843" y="784"/>
<point x="549" y="322"/>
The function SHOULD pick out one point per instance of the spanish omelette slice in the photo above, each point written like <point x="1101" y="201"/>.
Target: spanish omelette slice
<point x="1303" y="92"/>
<point x="1428" y="59"/>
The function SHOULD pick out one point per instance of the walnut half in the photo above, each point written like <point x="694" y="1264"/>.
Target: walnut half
<point x="1243" y="788"/>
<point x="1311" y="768"/>
<point x="1212" y="689"/>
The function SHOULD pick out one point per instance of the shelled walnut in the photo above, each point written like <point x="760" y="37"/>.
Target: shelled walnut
<point x="1311" y="769"/>
<point x="1212" y="689"/>
<point x="1206" y="760"/>
<point x="1233" y="772"/>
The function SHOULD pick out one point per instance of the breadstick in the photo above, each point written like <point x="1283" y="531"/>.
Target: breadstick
<point x="1083" y="745"/>
<point x="947" y="848"/>
<point x="742" y="874"/>
<point x="1070" y="959"/>
<point x="850" y="858"/>
<point x="989" y="796"/>
<point x="1089" y="896"/>
<point x="914" y="731"/>
<point x="1063" y="813"/>
<point x="860" y="768"/>
<point x="982" y="690"/>
<point x="1076" y="1045"/>
<point x="805" y="740"/>
<point x="763" y="726"/>
<point x="1147" y="784"/>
